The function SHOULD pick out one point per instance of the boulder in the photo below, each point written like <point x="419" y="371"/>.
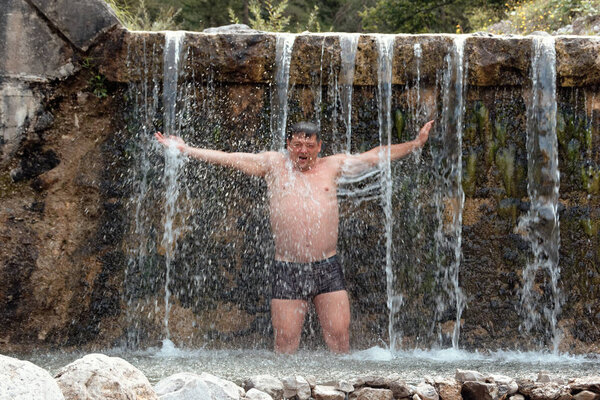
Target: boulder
<point x="591" y="383"/>
<point x="185" y="386"/>
<point x="467" y="375"/>
<point x="448" y="389"/>
<point x="255" y="394"/>
<point x="22" y="380"/>
<point x="296" y="386"/>
<point x="506" y="385"/>
<point x="473" y="390"/>
<point x="97" y="376"/>
<point x="267" y="384"/>
<point x="344" y="386"/>
<point x="182" y="386"/>
<point x="426" y="391"/>
<point x="322" y="392"/>
<point x="550" y="391"/>
<point x="367" y="393"/>
<point x="586" y="395"/>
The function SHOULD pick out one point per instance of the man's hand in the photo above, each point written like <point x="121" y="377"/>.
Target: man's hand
<point x="172" y="140"/>
<point x="424" y="133"/>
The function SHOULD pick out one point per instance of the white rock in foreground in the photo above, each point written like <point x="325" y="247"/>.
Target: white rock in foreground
<point x="96" y="376"/>
<point x="296" y="385"/>
<point x="266" y="383"/>
<point x="188" y="386"/>
<point x="22" y="380"/>
<point x="255" y="394"/>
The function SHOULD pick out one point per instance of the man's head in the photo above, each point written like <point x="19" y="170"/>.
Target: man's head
<point x="304" y="145"/>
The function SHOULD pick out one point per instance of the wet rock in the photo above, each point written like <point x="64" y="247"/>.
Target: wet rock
<point x="367" y="393"/>
<point x="296" y="386"/>
<point x="517" y="397"/>
<point x="267" y="384"/>
<point x="467" y="375"/>
<point x="586" y="395"/>
<point x="576" y="63"/>
<point x="550" y="391"/>
<point x="448" y="389"/>
<point x="591" y="383"/>
<point x="344" y="386"/>
<point x="81" y="22"/>
<point x="394" y="383"/>
<point x="96" y="376"/>
<point x="506" y="385"/>
<point x="322" y="392"/>
<point x="182" y="386"/>
<point x="545" y="377"/>
<point x="221" y="388"/>
<point x="185" y="386"/>
<point x="21" y="380"/>
<point x="473" y="390"/>
<point x="497" y="61"/>
<point x="426" y="391"/>
<point x="255" y="394"/>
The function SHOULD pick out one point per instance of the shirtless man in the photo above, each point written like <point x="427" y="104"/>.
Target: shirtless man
<point x="304" y="219"/>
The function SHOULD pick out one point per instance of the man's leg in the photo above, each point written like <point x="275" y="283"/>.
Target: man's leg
<point x="287" y="317"/>
<point x="333" y="309"/>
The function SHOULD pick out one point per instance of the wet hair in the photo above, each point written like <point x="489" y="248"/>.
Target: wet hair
<point x="308" y="128"/>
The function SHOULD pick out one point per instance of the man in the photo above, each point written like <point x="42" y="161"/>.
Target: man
<point x="304" y="219"/>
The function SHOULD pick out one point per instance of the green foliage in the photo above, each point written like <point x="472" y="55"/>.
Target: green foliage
<point x="97" y="81"/>
<point x="268" y="16"/>
<point x="141" y="16"/>
<point x="529" y="16"/>
<point x="407" y="16"/>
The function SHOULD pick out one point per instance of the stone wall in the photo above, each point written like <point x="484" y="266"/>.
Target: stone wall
<point x="81" y="97"/>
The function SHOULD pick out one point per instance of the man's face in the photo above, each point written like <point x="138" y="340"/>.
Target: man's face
<point x="303" y="151"/>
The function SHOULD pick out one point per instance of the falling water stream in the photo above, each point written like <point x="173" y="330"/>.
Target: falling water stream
<point x="348" y="45"/>
<point x="541" y="225"/>
<point x="450" y="199"/>
<point x="173" y="161"/>
<point x="279" y="92"/>
<point x="385" y="48"/>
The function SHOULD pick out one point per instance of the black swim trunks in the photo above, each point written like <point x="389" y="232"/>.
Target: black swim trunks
<point x="306" y="280"/>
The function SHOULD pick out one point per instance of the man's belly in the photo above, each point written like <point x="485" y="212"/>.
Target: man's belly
<point x="303" y="231"/>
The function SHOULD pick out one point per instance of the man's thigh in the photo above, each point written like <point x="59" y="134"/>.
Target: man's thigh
<point x="288" y="315"/>
<point x="333" y="309"/>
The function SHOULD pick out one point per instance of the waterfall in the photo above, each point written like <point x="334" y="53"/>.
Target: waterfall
<point x="385" y="48"/>
<point x="348" y="45"/>
<point x="173" y="159"/>
<point x="450" y="197"/>
<point x="541" y="224"/>
<point x="279" y="92"/>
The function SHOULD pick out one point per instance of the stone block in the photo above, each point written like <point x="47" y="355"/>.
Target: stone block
<point x="29" y="50"/>
<point x="82" y="21"/>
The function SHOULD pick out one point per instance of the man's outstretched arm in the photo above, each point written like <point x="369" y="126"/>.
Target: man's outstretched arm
<point x="373" y="156"/>
<point x="248" y="163"/>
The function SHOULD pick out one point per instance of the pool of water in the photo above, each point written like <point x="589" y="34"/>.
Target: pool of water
<point x="413" y="366"/>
